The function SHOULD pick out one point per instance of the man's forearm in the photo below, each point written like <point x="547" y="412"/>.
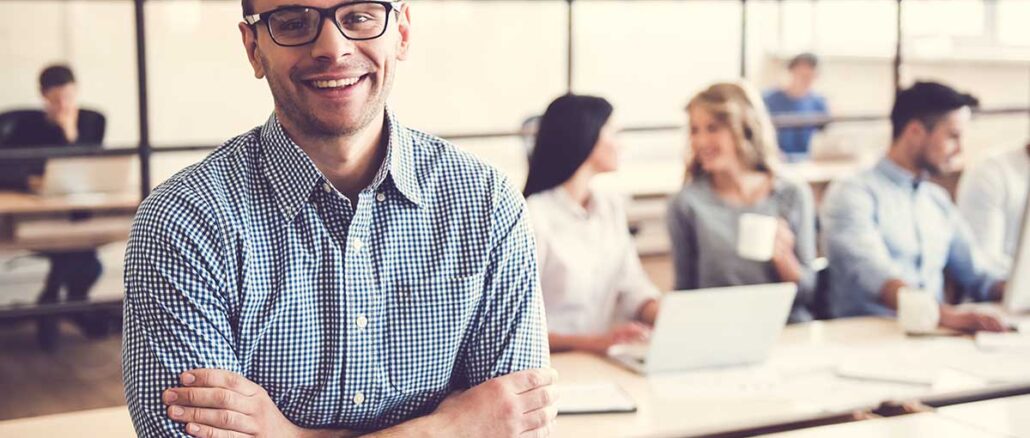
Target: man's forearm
<point x="418" y="427"/>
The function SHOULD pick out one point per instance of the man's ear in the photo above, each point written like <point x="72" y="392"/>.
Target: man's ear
<point x="404" y="27"/>
<point x="249" y="36"/>
<point x="915" y="131"/>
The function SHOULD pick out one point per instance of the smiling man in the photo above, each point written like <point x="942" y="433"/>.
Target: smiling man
<point x="332" y="271"/>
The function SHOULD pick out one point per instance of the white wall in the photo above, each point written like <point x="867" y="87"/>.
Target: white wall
<point x="480" y="66"/>
<point x="96" y="37"/>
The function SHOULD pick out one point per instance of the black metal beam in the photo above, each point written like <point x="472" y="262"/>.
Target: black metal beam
<point x="570" y="46"/>
<point x="743" y="38"/>
<point x="778" y="121"/>
<point x="25" y="311"/>
<point x="144" y="118"/>
<point x="897" y="49"/>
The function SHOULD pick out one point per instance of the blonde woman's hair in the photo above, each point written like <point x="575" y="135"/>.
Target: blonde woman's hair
<point x="737" y="106"/>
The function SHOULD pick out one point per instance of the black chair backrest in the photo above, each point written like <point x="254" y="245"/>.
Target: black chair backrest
<point x="10" y="119"/>
<point x="96" y="122"/>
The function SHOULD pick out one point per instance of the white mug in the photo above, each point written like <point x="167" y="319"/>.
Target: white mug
<point x="918" y="311"/>
<point x="756" y="236"/>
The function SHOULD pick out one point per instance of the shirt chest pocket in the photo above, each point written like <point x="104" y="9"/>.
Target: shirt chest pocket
<point x="426" y="322"/>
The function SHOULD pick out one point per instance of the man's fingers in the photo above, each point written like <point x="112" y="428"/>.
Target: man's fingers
<point x="527" y="380"/>
<point x="539" y="419"/>
<point x="542" y="432"/>
<point x="203" y="431"/>
<point x="538" y="398"/>
<point x="215" y="378"/>
<point x="216" y="418"/>
<point x="209" y="398"/>
<point x="990" y="323"/>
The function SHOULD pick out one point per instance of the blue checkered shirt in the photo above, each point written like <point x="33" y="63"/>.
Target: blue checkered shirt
<point x="350" y="317"/>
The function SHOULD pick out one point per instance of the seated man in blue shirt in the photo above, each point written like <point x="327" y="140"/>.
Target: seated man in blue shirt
<point x="332" y="271"/>
<point x="797" y="99"/>
<point x="889" y="229"/>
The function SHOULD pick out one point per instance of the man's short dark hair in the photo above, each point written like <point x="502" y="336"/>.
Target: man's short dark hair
<point x="806" y="58"/>
<point x="927" y="103"/>
<point x="248" y="7"/>
<point x="55" y="76"/>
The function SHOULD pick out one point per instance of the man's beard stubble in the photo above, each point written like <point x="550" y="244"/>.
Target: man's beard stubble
<point x="308" y="123"/>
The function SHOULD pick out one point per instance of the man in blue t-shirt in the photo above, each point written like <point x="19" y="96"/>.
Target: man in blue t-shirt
<point x="797" y="99"/>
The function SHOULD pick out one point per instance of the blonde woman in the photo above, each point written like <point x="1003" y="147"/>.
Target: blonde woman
<point x="732" y="172"/>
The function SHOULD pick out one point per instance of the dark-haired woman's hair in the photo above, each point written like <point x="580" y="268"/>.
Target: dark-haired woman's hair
<point x="567" y="135"/>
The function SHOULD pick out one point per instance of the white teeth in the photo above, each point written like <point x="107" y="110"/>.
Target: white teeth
<point x="337" y="83"/>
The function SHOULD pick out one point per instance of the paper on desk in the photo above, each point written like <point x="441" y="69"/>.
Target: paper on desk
<point x="1003" y="341"/>
<point x="593" y="398"/>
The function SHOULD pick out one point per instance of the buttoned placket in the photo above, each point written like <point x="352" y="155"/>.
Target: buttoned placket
<point x="364" y="309"/>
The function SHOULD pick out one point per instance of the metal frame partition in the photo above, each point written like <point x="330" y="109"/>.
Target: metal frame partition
<point x="145" y="150"/>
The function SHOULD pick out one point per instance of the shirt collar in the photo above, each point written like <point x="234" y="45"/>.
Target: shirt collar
<point x="293" y="175"/>
<point x="562" y="198"/>
<point x="400" y="153"/>
<point x="897" y="174"/>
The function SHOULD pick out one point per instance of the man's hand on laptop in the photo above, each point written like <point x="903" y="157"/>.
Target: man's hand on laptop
<point x="217" y="403"/>
<point x="970" y="321"/>
<point x="520" y="404"/>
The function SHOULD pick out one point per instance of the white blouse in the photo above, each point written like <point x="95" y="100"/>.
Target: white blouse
<point x="590" y="273"/>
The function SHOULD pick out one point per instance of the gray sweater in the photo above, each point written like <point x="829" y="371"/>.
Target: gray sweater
<point x="703" y="230"/>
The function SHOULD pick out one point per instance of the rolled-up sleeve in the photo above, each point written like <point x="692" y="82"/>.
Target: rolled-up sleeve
<point x="858" y="256"/>
<point x="634" y="286"/>
<point x="175" y="316"/>
<point x="509" y="333"/>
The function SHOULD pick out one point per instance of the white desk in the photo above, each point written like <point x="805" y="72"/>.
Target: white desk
<point x="798" y="383"/>
<point x="917" y="425"/>
<point x="1006" y="416"/>
<point x="107" y="422"/>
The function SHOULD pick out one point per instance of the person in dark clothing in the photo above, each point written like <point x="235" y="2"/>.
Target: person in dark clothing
<point x="61" y="123"/>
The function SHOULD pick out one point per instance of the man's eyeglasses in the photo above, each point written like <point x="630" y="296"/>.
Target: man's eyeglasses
<point x="293" y="26"/>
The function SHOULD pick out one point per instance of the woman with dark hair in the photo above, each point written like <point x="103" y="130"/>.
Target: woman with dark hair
<point x="596" y="293"/>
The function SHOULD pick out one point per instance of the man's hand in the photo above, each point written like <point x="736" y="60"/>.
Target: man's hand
<point x="969" y="321"/>
<point x="221" y="404"/>
<point x="520" y="404"/>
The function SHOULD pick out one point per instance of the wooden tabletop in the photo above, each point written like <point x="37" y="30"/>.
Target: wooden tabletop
<point x="12" y="203"/>
<point x="107" y="422"/>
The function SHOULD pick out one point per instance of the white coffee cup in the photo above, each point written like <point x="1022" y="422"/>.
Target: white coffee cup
<point x="756" y="236"/>
<point x="918" y="311"/>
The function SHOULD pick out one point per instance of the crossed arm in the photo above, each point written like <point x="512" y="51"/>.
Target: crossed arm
<point x="216" y="403"/>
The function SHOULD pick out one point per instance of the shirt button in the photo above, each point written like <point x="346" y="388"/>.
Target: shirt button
<point x="362" y="322"/>
<point x="327" y="187"/>
<point x="356" y="244"/>
<point x="381" y="197"/>
<point x="359" y="398"/>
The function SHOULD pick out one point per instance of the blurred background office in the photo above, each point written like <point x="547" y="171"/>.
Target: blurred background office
<point x="172" y="82"/>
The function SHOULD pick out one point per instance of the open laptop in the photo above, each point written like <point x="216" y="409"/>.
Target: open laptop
<point x="711" y="328"/>
<point x="87" y="175"/>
